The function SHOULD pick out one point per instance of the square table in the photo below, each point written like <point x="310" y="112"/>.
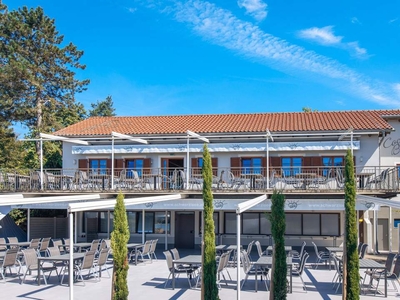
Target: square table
<point x="372" y="264"/>
<point x="333" y="250"/>
<point x="187" y="260"/>
<point x="19" y="244"/>
<point x="134" y="246"/>
<point x="63" y="258"/>
<point x="266" y="261"/>
<point x="287" y="248"/>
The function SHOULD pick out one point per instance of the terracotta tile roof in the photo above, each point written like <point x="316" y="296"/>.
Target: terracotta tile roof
<point x="233" y="123"/>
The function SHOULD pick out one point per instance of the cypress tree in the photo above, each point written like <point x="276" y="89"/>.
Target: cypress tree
<point x="119" y="239"/>
<point x="278" y="227"/>
<point x="209" y="286"/>
<point x="352" y="260"/>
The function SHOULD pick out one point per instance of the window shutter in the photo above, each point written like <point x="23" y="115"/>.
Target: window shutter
<point x="147" y="166"/>
<point x="195" y="166"/>
<point x="83" y="164"/>
<point x="109" y="165"/>
<point x="214" y="163"/>
<point x="264" y="166"/>
<point x="118" y="166"/>
<point x="275" y="163"/>
<point x="235" y="166"/>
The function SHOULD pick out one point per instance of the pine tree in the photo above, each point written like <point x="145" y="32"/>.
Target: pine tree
<point x="119" y="239"/>
<point x="352" y="260"/>
<point x="209" y="286"/>
<point x="278" y="227"/>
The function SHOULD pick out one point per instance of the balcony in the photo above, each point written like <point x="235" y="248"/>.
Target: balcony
<point x="225" y="180"/>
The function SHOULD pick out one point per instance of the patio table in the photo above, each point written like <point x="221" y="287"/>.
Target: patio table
<point x="287" y="248"/>
<point x="19" y="244"/>
<point x="372" y="264"/>
<point x="187" y="260"/>
<point x="333" y="250"/>
<point x="266" y="261"/>
<point x="134" y="246"/>
<point x="61" y="257"/>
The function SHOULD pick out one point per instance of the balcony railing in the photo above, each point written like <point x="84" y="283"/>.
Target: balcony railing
<point x="288" y="179"/>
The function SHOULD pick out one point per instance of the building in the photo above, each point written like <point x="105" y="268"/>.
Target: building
<point x="301" y="154"/>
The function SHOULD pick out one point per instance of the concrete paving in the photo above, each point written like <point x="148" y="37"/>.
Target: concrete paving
<point x="146" y="281"/>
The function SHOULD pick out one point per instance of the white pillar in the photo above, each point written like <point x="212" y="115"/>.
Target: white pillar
<point x="76" y="231"/>
<point x="71" y="257"/>
<point x="238" y="256"/>
<point x="108" y="224"/>
<point x="390" y="230"/>
<point x="376" y="250"/>
<point x="267" y="162"/>
<point x="166" y="230"/>
<point x="41" y="164"/>
<point x="112" y="162"/>
<point x="187" y="164"/>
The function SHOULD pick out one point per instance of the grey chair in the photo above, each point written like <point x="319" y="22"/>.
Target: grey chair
<point x="3" y="247"/>
<point x="153" y="249"/>
<point x="379" y="274"/>
<point x="102" y="261"/>
<point x="300" y="270"/>
<point x="176" y="270"/>
<point x="259" y="249"/>
<point x="10" y="260"/>
<point x="88" y="263"/>
<point x="298" y="255"/>
<point x="249" y="269"/>
<point x="44" y="244"/>
<point x="321" y="256"/>
<point x="363" y="250"/>
<point x="31" y="264"/>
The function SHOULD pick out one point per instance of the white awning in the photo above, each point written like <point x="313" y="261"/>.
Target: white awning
<point x="393" y="202"/>
<point x="107" y="204"/>
<point x="24" y="202"/>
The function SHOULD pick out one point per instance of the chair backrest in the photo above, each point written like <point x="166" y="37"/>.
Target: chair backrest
<point x="168" y="259"/>
<point x="3" y="241"/>
<point x="103" y="256"/>
<point x="175" y="253"/>
<point x="57" y="243"/>
<point x="396" y="270"/>
<point x="10" y="257"/>
<point x="336" y="263"/>
<point x="44" y="244"/>
<point x="53" y="251"/>
<point x="359" y="248"/>
<point x="221" y="262"/>
<point x="30" y="257"/>
<point x="12" y="239"/>
<point x="250" y="247"/>
<point x="147" y="246"/>
<point x="153" y="245"/>
<point x="88" y="260"/>
<point x="258" y="246"/>
<point x="34" y="243"/>
<point x="66" y="243"/>
<point x="302" y="249"/>
<point x="390" y="262"/>
<point x="363" y="250"/>
<point x="303" y="262"/>
<point x="95" y="245"/>
<point x="244" y="258"/>
<point x="316" y="250"/>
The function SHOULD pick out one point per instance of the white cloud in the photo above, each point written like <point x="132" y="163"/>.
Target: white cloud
<point x="221" y="27"/>
<point x="354" y="20"/>
<point x="255" y="8"/>
<point x="393" y="20"/>
<point x="324" y="35"/>
<point x="131" y="9"/>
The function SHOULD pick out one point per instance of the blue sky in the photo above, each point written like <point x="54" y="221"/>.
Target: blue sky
<point x="240" y="56"/>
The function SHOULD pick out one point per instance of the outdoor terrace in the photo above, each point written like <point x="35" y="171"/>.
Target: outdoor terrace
<point x="288" y="179"/>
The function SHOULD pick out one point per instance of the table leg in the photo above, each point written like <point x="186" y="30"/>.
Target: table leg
<point x="173" y="276"/>
<point x="291" y="278"/>
<point x="39" y="273"/>
<point x="385" y="284"/>
<point x="256" y="287"/>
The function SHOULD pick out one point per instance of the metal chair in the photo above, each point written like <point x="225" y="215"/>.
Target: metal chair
<point x="153" y="248"/>
<point x="10" y="260"/>
<point x="249" y="269"/>
<point x="321" y="256"/>
<point x="176" y="270"/>
<point x="379" y="274"/>
<point x="299" y="271"/>
<point x="102" y="260"/>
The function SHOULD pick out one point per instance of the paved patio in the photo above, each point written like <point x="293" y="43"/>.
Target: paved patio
<point x="146" y="281"/>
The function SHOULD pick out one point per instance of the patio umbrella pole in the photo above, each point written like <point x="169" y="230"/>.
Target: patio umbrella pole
<point x="71" y="257"/>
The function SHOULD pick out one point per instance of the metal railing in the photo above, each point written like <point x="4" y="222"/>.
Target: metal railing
<point x="288" y="179"/>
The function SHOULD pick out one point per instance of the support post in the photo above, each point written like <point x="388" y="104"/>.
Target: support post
<point x="112" y="162"/>
<point x="166" y="230"/>
<point x="187" y="164"/>
<point x="28" y="217"/>
<point x="238" y="255"/>
<point x="41" y="164"/>
<point x="143" y="223"/>
<point x="71" y="257"/>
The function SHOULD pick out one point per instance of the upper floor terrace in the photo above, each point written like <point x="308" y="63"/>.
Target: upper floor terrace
<point x="301" y="179"/>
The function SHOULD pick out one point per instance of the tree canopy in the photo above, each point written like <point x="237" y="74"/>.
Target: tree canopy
<point x="103" y="108"/>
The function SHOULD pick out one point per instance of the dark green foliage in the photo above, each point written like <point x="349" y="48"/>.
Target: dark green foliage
<point x="103" y="108"/>
<point x="278" y="227"/>
<point x="119" y="239"/>
<point x="209" y="286"/>
<point x="37" y="79"/>
<point x="352" y="259"/>
<point x="11" y="150"/>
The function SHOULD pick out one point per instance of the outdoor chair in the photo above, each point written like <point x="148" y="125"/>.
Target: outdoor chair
<point x="58" y="244"/>
<point x="54" y="251"/>
<point x="298" y="255"/>
<point x="44" y="244"/>
<point x="176" y="270"/>
<point x="379" y="274"/>
<point x="3" y="247"/>
<point x="249" y="248"/>
<point x="102" y="261"/>
<point x="10" y="260"/>
<point x="363" y="250"/>
<point x="259" y="249"/>
<point x="395" y="276"/>
<point x="86" y="264"/>
<point x="220" y="268"/>
<point x="144" y="251"/>
<point x="300" y="270"/>
<point x="31" y="264"/>
<point x="249" y="269"/>
<point x="379" y="181"/>
<point x="66" y="245"/>
<point x="321" y="256"/>
<point x="153" y="249"/>
<point x="95" y="246"/>
<point x="338" y="277"/>
<point x="35" y="244"/>
<point x="13" y="240"/>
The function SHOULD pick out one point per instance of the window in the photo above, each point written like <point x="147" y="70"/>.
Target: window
<point x="134" y="164"/>
<point x="148" y="222"/>
<point x="162" y="223"/>
<point x="251" y="165"/>
<point x="103" y="221"/>
<point x="291" y="165"/>
<point x="98" y="166"/>
<point x="251" y="223"/>
<point x="131" y="221"/>
<point x="200" y="162"/>
<point x="230" y="223"/>
<point x="293" y="224"/>
<point x="331" y="161"/>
